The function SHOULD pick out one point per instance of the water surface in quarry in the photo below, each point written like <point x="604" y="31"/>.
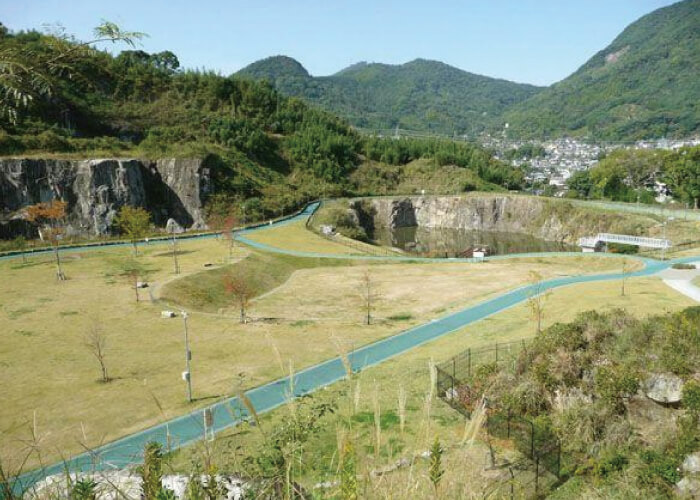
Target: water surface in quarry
<point x="450" y="242"/>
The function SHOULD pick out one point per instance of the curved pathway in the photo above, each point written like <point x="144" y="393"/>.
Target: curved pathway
<point x="189" y="428"/>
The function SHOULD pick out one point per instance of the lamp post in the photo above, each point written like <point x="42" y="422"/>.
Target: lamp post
<point x="187" y="375"/>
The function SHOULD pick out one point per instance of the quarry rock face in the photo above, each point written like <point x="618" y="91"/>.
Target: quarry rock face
<point x="552" y="220"/>
<point x="479" y="213"/>
<point x="96" y="189"/>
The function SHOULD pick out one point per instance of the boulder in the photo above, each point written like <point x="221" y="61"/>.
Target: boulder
<point x="167" y="314"/>
<point x="172" y="226"/>
<point x="141" y="284"/>
<point x="691" y="464"/>
<point x="688" y="488"/>
<point x="664" y="388"/>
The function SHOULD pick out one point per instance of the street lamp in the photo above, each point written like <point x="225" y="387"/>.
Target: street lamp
<point x="187" y="375"/>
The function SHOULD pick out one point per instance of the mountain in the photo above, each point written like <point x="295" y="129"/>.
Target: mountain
<point x="419" y="95"/>
<point x="272" y="68"/>
<point x="644" y="84"/>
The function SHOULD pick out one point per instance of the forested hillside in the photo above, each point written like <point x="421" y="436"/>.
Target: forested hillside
<point x="643" y="85"/>
<point x="419" y="95"/>
<point x="268" y="153"/>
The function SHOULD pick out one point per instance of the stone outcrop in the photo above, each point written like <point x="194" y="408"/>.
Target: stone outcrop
<point x="552" y="220"/>
<point x="664" y="388"/>
<point x="96" y="189"/>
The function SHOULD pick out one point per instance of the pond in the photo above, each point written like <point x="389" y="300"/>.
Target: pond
<point x="448" y="242"/>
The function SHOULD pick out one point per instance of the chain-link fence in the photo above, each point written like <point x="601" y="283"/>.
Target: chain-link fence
<point x="459" y="384"/>
<point x="455" y="384"/>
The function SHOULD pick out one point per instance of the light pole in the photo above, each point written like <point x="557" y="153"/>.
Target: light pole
<point x="187" y="375"/>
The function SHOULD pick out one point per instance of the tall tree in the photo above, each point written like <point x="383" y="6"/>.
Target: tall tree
<point x="27" y="75"/>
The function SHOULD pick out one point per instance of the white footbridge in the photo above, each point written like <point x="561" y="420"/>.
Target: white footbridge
<point x="590" y="243"/>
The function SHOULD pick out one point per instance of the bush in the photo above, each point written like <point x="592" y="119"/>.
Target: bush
<point x="622" y="248"/>
<point x="691" y="396"/>
<point x="681" y="265"/>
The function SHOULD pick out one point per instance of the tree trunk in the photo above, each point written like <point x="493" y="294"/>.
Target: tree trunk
<point x="59" y="272"/>
<point x="136" y="286"/>
<point x="242" y="313"/>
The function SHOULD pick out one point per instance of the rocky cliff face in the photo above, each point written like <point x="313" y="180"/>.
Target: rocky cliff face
<point x="96" y="189"/>
<point x="552" y="220"/>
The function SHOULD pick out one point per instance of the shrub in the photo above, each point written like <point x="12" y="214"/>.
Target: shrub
<point x="681" y="265"/>
<point x="691" y="396"/>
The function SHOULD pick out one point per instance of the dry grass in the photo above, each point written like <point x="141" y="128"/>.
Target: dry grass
<point x="294" y="236"/>
<point x="47" y="370"/>
<point x="465" y="476"/>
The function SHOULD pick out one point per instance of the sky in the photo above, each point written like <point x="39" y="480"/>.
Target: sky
<point x="529" y="41"/>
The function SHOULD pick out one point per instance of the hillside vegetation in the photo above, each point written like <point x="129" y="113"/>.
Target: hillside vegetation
<point x="268" y="153"/>
<point x="419" y="95"/>
<point x="643" y="85"/>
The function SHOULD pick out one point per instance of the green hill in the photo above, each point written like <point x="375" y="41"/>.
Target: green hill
<point x="644" y="84"/>
<point x="272" y="68"/>
<point x="268" y="152"/>
<point x="420" y="95"/>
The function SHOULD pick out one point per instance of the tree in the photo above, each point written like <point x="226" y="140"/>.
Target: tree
<point x="683" y="174"/>
<point x="240" y="287"/>
<point x="227" y="225"/>
<point x="369" y="295"/>
<point x="134" y="222"/>
<point x="96" y="343"/>
<point x="49" y="218"/>
<point x="27" y="75"/>
<point x="538" y="295"/>
<point x="134" y="271"/>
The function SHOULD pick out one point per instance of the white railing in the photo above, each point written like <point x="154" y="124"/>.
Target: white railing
<point x="640" y="241"/>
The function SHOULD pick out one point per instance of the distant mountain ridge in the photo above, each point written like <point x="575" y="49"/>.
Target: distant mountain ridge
<point x="645" y="84"/>
<point x="420" y="94"/>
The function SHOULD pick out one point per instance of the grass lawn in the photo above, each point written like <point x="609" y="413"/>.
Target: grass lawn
<point x="356" y="401"/>
<point x="51" y="379"/>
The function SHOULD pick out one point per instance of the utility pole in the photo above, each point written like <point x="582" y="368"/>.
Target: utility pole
<point x="187" y="375"/>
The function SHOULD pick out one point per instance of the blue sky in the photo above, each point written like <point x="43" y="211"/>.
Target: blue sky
<point x="533" y="41"/>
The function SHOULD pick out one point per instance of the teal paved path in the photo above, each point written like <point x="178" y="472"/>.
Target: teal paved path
<point x="188" y="428"/>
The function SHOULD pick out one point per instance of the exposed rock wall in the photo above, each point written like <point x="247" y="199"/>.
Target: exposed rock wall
<point x="96" y="189"/>
<point x="553" y="220"/>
